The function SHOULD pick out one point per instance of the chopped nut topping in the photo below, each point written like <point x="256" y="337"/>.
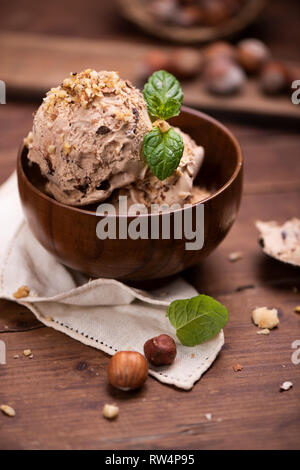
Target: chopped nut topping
<point x="83" y="88"/>
<point x="264" y="317"/>
<point x="51" y="149"/>
<point x="8" y="410"/>
<point x="110" y="411"/>
<point x="286" y="386"/>
<point x="22" y="292"/>
<point x="237" y="367"/>
<point x="235" y="256"/>
<point x="67" y="148"/>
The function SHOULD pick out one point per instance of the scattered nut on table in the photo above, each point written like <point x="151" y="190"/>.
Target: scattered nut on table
<point x="23" y="291"/>
<point x="237" y="367"/>
<point x="286" y="386"/>
<point x="297" y="309"/>
<point x="110" y="411"/>
<point x="127" y="370"/>
<point x="27" y="352"/>
<point x="8" y="410"/>
<point x="265" y="317"/>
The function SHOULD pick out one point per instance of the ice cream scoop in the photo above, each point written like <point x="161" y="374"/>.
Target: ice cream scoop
<point x="87" y="137"/>
<point x="176" y="189"/>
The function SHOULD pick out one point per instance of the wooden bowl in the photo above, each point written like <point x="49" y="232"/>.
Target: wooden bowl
<point x="69" y="233"/>
<point x="137" y="12"/>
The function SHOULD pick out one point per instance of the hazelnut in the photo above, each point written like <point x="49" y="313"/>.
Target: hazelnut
<point x="156" y="60"/>
<point x="189" y="16"/>
<point x="252" y="54"/>
<point x="184" y="62"/>
<point x="223" y="77"/>
<point x="219" y="49"/>
<point x="274" y="78"/>
<point x="161" y="350"/>
<point x="216" y="12"/>
<point x="127" y="370"/>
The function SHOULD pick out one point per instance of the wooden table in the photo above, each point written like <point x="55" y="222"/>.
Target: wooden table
<point x="59" y="394"/>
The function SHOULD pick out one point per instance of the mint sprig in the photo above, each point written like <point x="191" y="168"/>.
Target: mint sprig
<point x="163" y="95"/>
<point x="163" y="149"/>
<point x="197" y="319"/>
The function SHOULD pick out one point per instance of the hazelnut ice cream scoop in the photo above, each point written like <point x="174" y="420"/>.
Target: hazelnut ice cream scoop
<point x="176" y="189"/>
<point x="87" y="137"/>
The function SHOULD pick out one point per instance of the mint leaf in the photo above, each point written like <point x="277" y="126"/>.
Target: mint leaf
<point x="163" y="95"/>
<point x="197" y="319"/>
<point x="163" y="151"/>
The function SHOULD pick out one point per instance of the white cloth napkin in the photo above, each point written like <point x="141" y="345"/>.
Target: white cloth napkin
<point x="103" y="313"/>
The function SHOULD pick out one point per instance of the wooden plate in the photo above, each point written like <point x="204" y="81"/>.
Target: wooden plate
<point x="32" y="64"/>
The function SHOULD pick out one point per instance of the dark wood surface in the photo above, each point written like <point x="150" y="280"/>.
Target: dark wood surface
<point x="58" y="395"/>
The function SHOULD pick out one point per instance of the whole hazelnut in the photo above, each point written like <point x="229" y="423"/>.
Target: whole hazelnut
<point x="156" y="59"/>
<point x="274" y="78"/>
<point x="252" y="55"/>
<point x="219" y="49"/>
<point x="223" y="77"/>
<point x="127" y="370"/>
<point x="184" y="62"/>
<point x="161" y="350"/>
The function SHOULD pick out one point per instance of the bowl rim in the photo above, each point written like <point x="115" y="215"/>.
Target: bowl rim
<point x="186" y="109"/>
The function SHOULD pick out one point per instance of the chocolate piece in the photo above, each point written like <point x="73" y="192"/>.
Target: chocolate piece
<point x="102" y="130"/>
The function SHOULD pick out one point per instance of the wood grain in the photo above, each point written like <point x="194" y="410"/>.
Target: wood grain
<point x="58" y="395"/>
<point x="32" y="64"/>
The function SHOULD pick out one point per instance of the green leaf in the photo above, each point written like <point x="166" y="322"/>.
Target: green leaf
<point x="197" y="319"/>
<point x="163" y="95"/>
<point x="163" y="151"/>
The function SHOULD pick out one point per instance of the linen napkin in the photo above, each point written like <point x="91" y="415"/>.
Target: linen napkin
<point x="103" y="313"/>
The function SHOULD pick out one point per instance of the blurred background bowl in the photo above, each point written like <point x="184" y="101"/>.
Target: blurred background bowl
<point x="69" y="233"/>
<point x="139" y="12"/>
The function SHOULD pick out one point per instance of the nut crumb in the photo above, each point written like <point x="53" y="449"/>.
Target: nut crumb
<point x="265" y="317"/>
<point x="286" y="386"/>
<point x="16" y="356"/>
<point x="297" y="309"/>
<point x="110" y="411"/>
<point x="208" y="416"/>
<point x="48" y="318"/>
<point x="237" y="367"/>
<point x="23" y="291"/>
<point x="27" y="352"/>
<point x="265" y="331"/>
<point x="235" y="256"/>
<point x="8" y="410"/>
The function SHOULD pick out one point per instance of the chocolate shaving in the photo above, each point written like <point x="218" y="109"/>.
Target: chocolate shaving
<point x="102" y="130"/>
<point x="136" y="115"/>
<point x="49" y="165"/>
